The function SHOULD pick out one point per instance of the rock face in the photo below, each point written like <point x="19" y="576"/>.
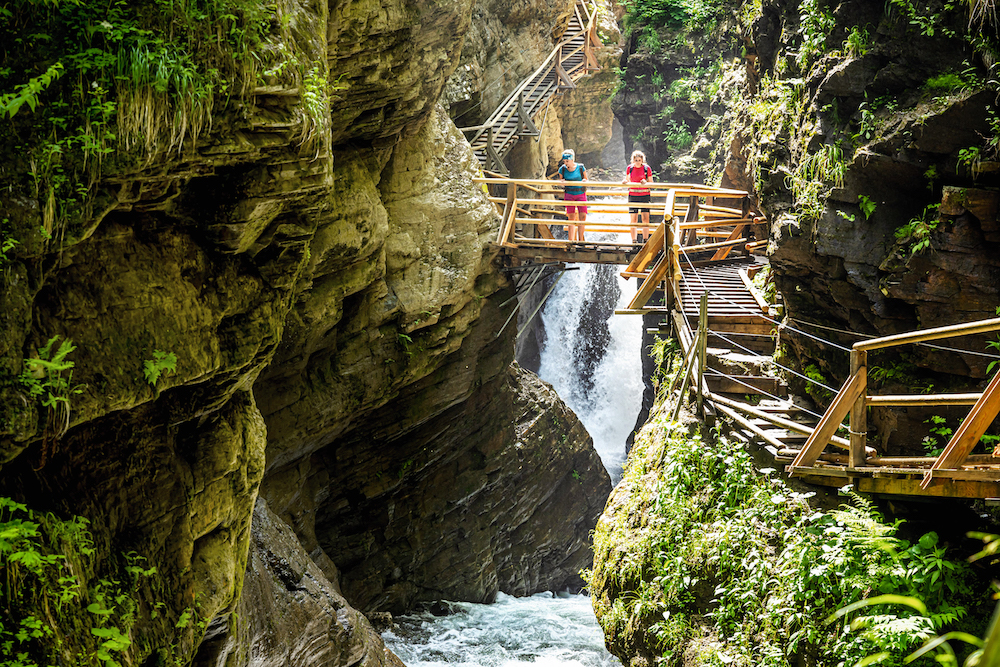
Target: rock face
<point x="507" y="43"/>
<point x="289" y="611"/>
<point x="333" y="269"/>
<point x="848" y="125"/>
<point x="859" y="245"/>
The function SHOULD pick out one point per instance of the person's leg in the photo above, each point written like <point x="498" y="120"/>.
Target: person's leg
<point x="633" y="216"/>
<point x="645" y="225"/>
<point x="571" y="217"/>
<point x="582" y="216"/>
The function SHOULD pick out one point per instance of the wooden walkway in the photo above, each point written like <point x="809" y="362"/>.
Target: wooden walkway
<point x="571" y="59"/>
<point x="696" y="268"/>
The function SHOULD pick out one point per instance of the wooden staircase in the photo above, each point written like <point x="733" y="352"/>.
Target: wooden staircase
<point x="570" y="60"/>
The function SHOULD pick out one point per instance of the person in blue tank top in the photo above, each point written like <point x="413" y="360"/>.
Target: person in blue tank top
<point x="571" y="171"/>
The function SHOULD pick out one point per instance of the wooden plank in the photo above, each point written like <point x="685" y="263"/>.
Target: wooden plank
<point x="789" y="424"/>
<point x="967" y="435"/>
<point x="918" y="400"/>
<point x="830" y="422"/>
<point x="950" y="489"/>
<point x="750" y="426"/>
<point x="650" y="285"/>
<point x="748" y="283"/>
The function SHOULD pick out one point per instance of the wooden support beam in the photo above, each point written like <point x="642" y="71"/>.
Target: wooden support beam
<point x="723" y="252"/>
<point x="649" y="286"/>
<point x="509" y="213"/>
<point x="859" y="413"/>
<point x="968" y="434"/>
<point x="830" y="422"/>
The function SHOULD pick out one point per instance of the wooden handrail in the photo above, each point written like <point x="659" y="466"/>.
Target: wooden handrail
<point x="853" y="399"/>
<point x="950" y="331"/>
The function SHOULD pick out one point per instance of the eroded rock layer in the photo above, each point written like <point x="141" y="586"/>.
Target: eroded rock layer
<point x="325" y="284"/>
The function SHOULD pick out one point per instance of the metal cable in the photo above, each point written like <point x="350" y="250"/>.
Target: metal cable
<point x="719" y="373"/>
<point x="793" y="372"/>
<point x="870" y="336"/>
<point x="757" y="314"/>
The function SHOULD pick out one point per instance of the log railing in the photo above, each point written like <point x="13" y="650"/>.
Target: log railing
<point x="854" y="400"/>
<point x="692" y="217"/>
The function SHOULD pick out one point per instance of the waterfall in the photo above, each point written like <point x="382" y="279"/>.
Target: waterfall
<point x="593" y="357"/>
<point x="543" y="630"/>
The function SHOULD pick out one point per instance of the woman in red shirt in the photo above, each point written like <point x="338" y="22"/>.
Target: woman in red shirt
<point x="639" y="172"/>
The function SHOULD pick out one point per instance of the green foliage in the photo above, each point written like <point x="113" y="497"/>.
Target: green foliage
<point x="928" y="19"/>
<point x="867" y="206"/>
<point x="858" y="42"/>
<point x="7" y="241"/>
<point x="814" y="174"/>
<point x="690" y="15"/>
<point x="707" y="521"/>
<point x="677" y="136"/>
<point x="54" y="605"/>
<point x="160" y="364"/>
<point x="664" y="352"/>
<point x="49" y="379"/>
<point x="940" y="433"/>
<point x="83" y="78"/>
<point x="915" y="235"/>
<point x="816" y="22"/>
<point x="818" y="393"/>
<point x="971" y="158"/>
<point x="28" y="93"/>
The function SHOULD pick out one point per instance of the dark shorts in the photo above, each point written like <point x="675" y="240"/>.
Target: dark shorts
<point x="638" y="199"/>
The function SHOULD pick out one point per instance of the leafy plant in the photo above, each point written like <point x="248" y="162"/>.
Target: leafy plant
<point x="809" y="182"/>
<point x="858" y="42"/>
<point x="677" y="136"/>
<point x="54" y="605"/>
<point x="160" y="364"/>
<point x="48" y="378"/>
<point x="916" y="234"/>
<point x="867" y="206"/>
<point x="939" y="435"/>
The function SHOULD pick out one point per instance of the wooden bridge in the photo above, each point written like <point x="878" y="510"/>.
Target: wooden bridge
<point x="696" y="268"/>
<point x="570" y="60"/>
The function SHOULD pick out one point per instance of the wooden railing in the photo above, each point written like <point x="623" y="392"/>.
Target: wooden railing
<point x="854" y="400"/>
<point x="692" y="217"/>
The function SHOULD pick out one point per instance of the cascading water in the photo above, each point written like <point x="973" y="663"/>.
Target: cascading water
<point x="593" y="358"/>
<point x="543" y="630"/>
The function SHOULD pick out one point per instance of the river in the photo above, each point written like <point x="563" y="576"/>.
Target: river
<point x="592" y="358"/>
<point x="542" y="630"/>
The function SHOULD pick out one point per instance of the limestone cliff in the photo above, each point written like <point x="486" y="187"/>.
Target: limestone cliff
<point x="290" y="296"/>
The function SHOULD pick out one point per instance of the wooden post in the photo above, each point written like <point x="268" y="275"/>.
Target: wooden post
<point x="525" y="126"/>
<point x="492" y="155"/>
<point x="702" y="341"/>
<point x="859" y="413"/>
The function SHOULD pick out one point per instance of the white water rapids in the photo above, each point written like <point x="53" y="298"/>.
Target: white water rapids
<point x="592" y="358"/>
<point x="543" y="630"/>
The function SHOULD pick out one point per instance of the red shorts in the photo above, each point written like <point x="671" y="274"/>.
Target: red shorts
<point x="580" y="197"/>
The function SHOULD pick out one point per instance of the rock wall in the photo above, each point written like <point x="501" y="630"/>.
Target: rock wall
<point x="328" y="290"/>
<point x="848" y="124"/>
